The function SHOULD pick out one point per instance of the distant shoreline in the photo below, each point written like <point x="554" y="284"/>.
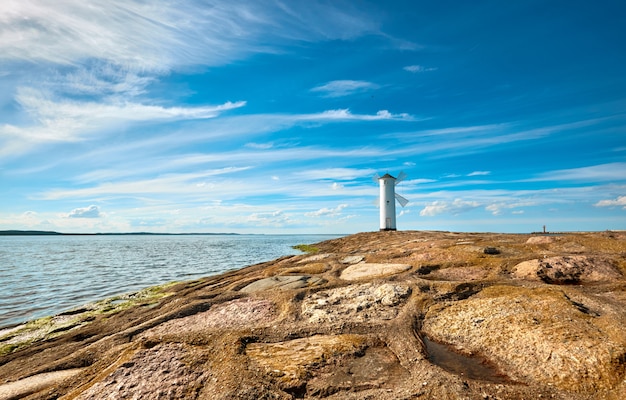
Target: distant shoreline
<point x="53" y="233"/>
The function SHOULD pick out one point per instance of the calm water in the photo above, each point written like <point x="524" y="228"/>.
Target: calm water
<point x="45" y="275"/>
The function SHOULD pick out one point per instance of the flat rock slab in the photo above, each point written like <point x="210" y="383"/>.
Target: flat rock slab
<point x="161" y="372"/>
<point x="232" y="314"/>
<point x="567" y="270"/>
<point x="372" y="270"/>
<point x="352" y="259"/>
<point x="32" y="384"/>
<point x="459" y="274"/>
<point x="540" y="240"/>
<point x="539" y="336"/>
<point x="358" y="302"/>
<point x="291" y="361"/>
<point x="283" y="282"/>
<point x="378" y="367"/>
<point x="314" y="257"/>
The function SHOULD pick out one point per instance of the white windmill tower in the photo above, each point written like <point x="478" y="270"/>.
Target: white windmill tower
<point x="388" y="197"/>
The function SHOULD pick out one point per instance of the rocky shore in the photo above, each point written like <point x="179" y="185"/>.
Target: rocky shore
<point x="378" y="315"/>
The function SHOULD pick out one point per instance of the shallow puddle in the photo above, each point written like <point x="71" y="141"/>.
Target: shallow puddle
<point x="468" y="367"/>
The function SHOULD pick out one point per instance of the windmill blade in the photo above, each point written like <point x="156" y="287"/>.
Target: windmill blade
<point x="401" y="177"/>
<point x="403" y="202"/>
<point x="375" y="178"/>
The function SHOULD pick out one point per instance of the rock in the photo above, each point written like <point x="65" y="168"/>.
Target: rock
<point x="352" y="259"/>
<point x="355" y="330"/>
<point x="161" y="371"/>
<point x="357" y="303"/>
<point x="237" y="313"/>
<point x="33" y="384"/>
<point x="538" y="336"/>
<point x="291" y="361"/>
<point x="491" y="251"/>
<point x="563" y="270"/>
<point x="371" y="270"/>
<point x="285" y="282"/>
<point x="540" y="240"/>
<point x="314" y="257"/>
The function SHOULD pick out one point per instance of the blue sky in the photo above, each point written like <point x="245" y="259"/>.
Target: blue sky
<point x="273" y="116"/>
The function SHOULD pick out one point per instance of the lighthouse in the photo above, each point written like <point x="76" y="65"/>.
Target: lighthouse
<point x="388" y="198"/>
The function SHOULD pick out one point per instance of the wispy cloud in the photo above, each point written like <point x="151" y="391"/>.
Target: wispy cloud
<point x="327" y="212"/>
<point x="344" y="88"/>
<point x="345" y="114"/>
<point x="418" y="68"/>
<point x="343" y="174"/>
<point x="479" y="173"/>
<point x="50" y="110"/>
<point x="87" y="212"/>
<point x="620" y="201"/>
<point x="277" y="219"/>
<point x="455" y="207"/>
<point x="166" y="35"/>
<point x="68" y="121"/>
<point x="594" y="173"/>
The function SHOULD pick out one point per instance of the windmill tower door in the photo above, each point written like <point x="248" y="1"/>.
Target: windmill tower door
<point x="388" y="223"/>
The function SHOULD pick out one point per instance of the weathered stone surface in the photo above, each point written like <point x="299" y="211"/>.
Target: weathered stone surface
<point x="372" y="270"/>
<point x="36" y="383"/>
<point x="291" y="361"/>
<point x="352" y="259"/>
<point x="539" y="336"/>
<point x="359" y="303"/>
<point x="540" y="240"/>
<point x="285" y="282"/>
<point x="237" y="313"/>
<point x="445" y="322"/>
<point x="458" y="273"/>
<point x="568" y="270"/>
<point x="161" y="372"/>
<point x="314" y="257"/>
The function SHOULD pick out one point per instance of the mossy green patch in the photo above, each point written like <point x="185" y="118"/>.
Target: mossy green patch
<point x="49" y="327"/>
<point x="306" y="248"/>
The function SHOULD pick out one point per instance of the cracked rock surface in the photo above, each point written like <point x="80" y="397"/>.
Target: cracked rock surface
<point x="376" y="315"/>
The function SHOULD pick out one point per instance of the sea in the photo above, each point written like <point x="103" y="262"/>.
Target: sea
<point x="46" y="275"/>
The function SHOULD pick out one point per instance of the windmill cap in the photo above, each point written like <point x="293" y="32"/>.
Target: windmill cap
<point x="386" y="176"/>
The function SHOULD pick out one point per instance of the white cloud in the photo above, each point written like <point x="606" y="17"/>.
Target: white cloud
<point x="110" y="53"/>
<point x="61" y="120"/>
<point x="337" y="186"/>
<point x="184" y="183"/>
<point x="166" y="34"/>
<point x="344" y="88"/>
<point x="594" y="173"/>
<point x="327" y="212"/>
<point x="497" y="208"/>
<point x="479" y="173"/>
<point x="418" y="68"/>
<point x="261" y="146"/>
<point x="345" y="114"/>
<point x="455" y="207"/>
<point x="87" y="212"/>
<point x="620" y="201"/>
<point x="343" y="174"/>
<point x="276" y="218"/>
<point x="51" y="110"/>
